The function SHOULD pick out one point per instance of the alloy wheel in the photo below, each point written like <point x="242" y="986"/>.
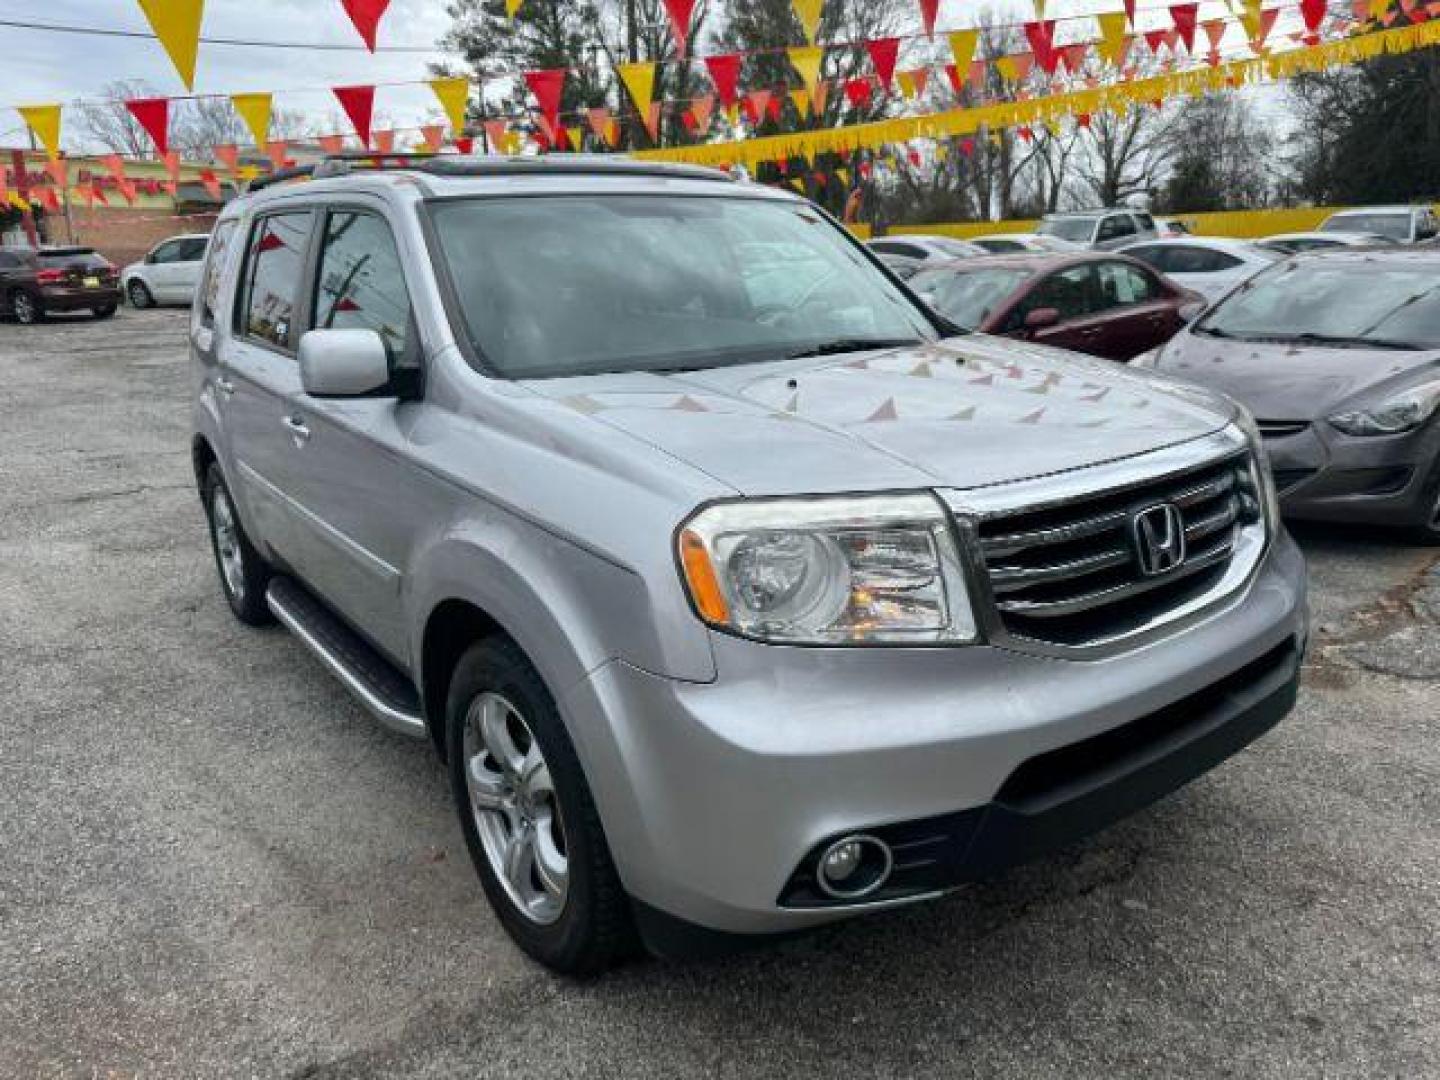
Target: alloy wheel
<point x="139" y="295"/>
<point x="227" y="543"/>
<point x="516" y="812"/>
<point x="25" y="309"/>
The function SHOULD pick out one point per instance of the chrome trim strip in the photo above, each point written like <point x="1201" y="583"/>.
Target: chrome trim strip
<point x="1046" y="609"/>
<point x="402" y="722"/>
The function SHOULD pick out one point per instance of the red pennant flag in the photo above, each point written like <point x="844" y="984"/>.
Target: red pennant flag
<point x="275" y="150"/>
<point x="1183" y="15"/>
<point x="385" y="141"/>
<point x="228" y="154"/>
<point x="757" y="104"/>
<point x="956" y="83"/>
<point x="116" y="165"/>
<point x="127" y="189"/>
<point x="725" y="74"/>
<point x="1215" y="29"/>
<point x="434" y="136"/>
<point x="703" y="108"/>
<point x="857" y="92"/>
<point x="928" y="10"/>
<point x="47" y="197"/>
<point x="599" y="118"/>
<point x="773" y="108"/>
<point x="1075" y="56"/>
<point x="688" y="119"/>
<point x="153" y="114"/>
<point x="1083" y="119"/>
<point x="97" y="193"/>
<point x="1024" y="64"/>
<point x="679" y="12"/>
<point x="365" y="14"/>
<point x="332" y="144"/>
<point x="1155" y="39"/>
<point x="212" y="184"/>
<point x="921" y="78"/>
<point x="547" y="86"/>
<point x="1026" y="134"/>
<point x="172" y="164"/>
<point x="884" y="52"/>
<point x="1130" y="12"/>
<point x="465" y="145"/>
<point x="59" y="172"/>
<point x="977" y="76"/>
<point x="495" y="135"/>
<point x="1267" y="23"/>
<point x="1041" y="36"/>
<point x="359" y="105"/>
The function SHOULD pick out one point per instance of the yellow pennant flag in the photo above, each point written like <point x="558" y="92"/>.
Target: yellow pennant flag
<point x="512" y="6"/>
<point x="808" y="12"/>
<point x="1039" y="10"/>
<point x="177" y="24"/>
<point x="807" y="60"/>
<point x="254" y="109"/>
<point x="1377" y="12"/>
<point x="576" y="137"/>
<point x="907" y="83"/>
<point x="962" y="48"/>
<point x="639" y="80"/>
<point x="1005" y="65"/>
<point x="1250" y="16"/>
<point x="454" y="95"/>
<point x="44" y="121"/>
<point x="1112" y="36"/>
<point x="801" y="100"/>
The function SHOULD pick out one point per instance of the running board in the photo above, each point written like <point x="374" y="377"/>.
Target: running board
<point x="379" y="686"/>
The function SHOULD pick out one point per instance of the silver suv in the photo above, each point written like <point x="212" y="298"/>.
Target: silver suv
<point x="738" y="593"/>
<point x="1102" y="230"/>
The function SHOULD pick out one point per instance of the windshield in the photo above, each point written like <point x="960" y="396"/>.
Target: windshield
<point x="967" y="297"/>
<point x="78" y="260"/>
<point x="577" y="285"/>
<point x="1075" y="229"/>
<point x="1391" y="226"/>
<point x="1339" y="302"/>
<point x="958" y="248"/>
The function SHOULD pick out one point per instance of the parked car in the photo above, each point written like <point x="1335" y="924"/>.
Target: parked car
<point x="1171" y="228"/>
<point x="729" y="614"/>
<point x="924" y="249"/>
<point x="1292" y="243"/>
<point x="1338" y="354"/>
<point x="1398" y="224"/>
<point x="1105" y="305"/>
<point x="1021" y="243"/>
<point x="1100" y="229"/>
<point x="38" y="282"/>
<point x="901" y="266"/>
<point x="1211" y="266"/>
<point x="168" y="274"/>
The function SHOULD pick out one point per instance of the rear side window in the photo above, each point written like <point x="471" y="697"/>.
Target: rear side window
<point x="1156" y="255"/>
<point x="73" y="260"/>
<point x="1146" y="222"/>
<point x="1121" y="284"/>
<point x="210" y="288"/>
<point x="274" y="265"/>
<point x="167" y="252"/>
<point x="1116" y="225"/>
<point x="362" y="283"/>
<point x="192" y="250"/>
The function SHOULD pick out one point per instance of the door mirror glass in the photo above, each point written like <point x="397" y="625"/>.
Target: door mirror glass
<point x="343" y="363"/>
<point x="1042" y="318"/>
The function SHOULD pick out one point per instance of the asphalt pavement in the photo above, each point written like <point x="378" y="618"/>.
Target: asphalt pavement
<point x="214" y="864"/>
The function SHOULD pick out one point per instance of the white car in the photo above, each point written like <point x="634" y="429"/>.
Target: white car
<point x="1211" y="266"/>
<point x="1398" y="224"/>
<point x="924" y="249"/>
<point x="169" y="274"/>
<point x="1023" y="243"/>
<point x="1291" y="243"/>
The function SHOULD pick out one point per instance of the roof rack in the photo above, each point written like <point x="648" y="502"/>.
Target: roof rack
<point x="456" y="165"/>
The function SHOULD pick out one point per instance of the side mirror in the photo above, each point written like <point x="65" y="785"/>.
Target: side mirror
<point x="1042" y="318"/>
<point x="343" y="363"/>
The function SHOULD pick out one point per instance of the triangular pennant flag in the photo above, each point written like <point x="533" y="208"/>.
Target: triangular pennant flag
<point x="1112" y="37"/>
<point x="599" y="118"/>
<point x="1313" y="12"/>
<point x="332" y="144"/>
<point x="465" y="145"/>
<point x="962" y="47"/>
<point x="703" y="108"/>
<point x="385" y="141"/>
<point x="172" y="164"/>
<point x="1155" y="39"/>
<point x="809" y="12"/>
<point x="725" y="74"/>
<point x="512" y="6"/>
<point x="1041" y="36"/>
<point x="59" y="172"/>
<point x="547" y="86"/>
<point x="275" y="150"/>
<point x="801" y="100"/>
<point x="255" y="110"/>
<point x="212" y="184"/>
<point x="127" y="191"/>
<point x="359" y="105"/>
<point x="1075" y="55"/>
<point x="434" y="136"/>
<point x="497" y="136"/>
<point x="957" y="85"/>
<point x="454" y="98"/>
<point x="639" y="80"/>
<point x="1007" y="67"/>
<point x="177" y="24"/>
<point x="575" y="138"/>
<point x="679" y="12"/>
<point x="1130" y="12"/>
<point x="1183" y="16"/>
<point x="807" y="60"/>
<point x="115" y="164"/>
<point x="365" y="14"/>
<point x="651" y="118"/>
<point x="757" y="103"/>
<point x="153" y="114"/>
<point x="929" y="9"/>
<point x="906" y="79"/>
<point x="44" y="121"/>
<point x="857" y="92"/>
<point x="884" y="52"/>
<point x="1266" y="24"/>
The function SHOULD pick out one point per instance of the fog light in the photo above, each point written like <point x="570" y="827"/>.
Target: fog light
<point x="853" y="867"/>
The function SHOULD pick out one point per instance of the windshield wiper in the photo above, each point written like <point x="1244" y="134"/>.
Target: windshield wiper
<point x="1344" y="341"/>
<point x="837" y="346"/>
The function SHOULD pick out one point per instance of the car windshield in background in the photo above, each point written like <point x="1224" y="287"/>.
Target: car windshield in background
<point x="1076" y="230"/>
<point x="1340" y="303"/>
<point x="1390" y="226"/>
<point x="67" y="260"/>
<point x="967" y="297"/>
<point x="958" y="248"/>
<point x="577" y="285"/>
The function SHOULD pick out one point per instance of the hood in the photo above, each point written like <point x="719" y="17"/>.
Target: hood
<point x="962" y="413"/>
<point x="1279" y="381"/>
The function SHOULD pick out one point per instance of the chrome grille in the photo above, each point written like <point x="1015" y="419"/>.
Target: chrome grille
<point x="1071" y="574"/>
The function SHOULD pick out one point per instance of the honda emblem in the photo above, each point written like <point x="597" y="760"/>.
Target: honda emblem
<point x="1159" y="533"/>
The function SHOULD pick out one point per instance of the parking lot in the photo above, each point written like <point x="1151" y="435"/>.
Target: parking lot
<point x="216" y="864"/>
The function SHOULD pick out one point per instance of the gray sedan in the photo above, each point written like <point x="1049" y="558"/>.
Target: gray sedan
<point x="1338" y="356"/>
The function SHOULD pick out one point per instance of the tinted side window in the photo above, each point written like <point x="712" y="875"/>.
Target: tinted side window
<point x="908" y="250"/>
<point x="273" y="268"/>
<point x="362" y="282"/>
<point x="1116" y="225"/>
<point x="1145" y="221"/>
<point x="192" y="250"/>
<point x="210" y="289"/>
<point x="1121" y="285"/>
<point x="1153" y="255"/>
<point x="1070" y="292"/>
<point x="167" y="252"/>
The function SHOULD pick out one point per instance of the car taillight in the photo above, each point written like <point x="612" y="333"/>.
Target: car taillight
<point x="50" y="277"/>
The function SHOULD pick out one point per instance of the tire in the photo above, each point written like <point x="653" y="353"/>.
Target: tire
<point x="26" y="308"/>
<point x="1427" y="530"/>
<point x="104" y="311"/>
<point x="244" y="575"/>
<point x="139" y="295"/>
<point x="584" y="927"/>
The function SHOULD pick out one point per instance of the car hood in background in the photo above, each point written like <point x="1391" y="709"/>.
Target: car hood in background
<point x="1279" y="381"/>
<point x="963" y="413"/>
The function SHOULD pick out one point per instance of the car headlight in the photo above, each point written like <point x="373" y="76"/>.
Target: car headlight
<point x="854" y="570"/>
<point x="1262" y="479"/>
<point x="1403" y="412"/>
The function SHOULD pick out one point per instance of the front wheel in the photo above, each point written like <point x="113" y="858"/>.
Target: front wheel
<point x="528" y="817"/>
<point x="26" y="308"/>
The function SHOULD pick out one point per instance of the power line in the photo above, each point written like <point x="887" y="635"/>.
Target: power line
<point x="316" y="46"/>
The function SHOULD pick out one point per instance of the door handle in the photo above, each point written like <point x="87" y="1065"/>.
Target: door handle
<point x="224" y="385"/>
<point x="296" y="426"/>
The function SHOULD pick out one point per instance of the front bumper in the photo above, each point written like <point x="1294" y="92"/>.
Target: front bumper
<point x="1325" y="475"/>
<point x="715" y="796"/>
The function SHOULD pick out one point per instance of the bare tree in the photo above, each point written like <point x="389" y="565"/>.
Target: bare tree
<point x="109" y="124"/>
<point x="1123" y="154"/>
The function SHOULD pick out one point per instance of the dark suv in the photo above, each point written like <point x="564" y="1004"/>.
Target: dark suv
<point x="34" y="283"/>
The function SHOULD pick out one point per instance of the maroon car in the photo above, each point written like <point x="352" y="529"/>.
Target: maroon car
<point x="34" y="283"/>
<point x="1092" y="302"/>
